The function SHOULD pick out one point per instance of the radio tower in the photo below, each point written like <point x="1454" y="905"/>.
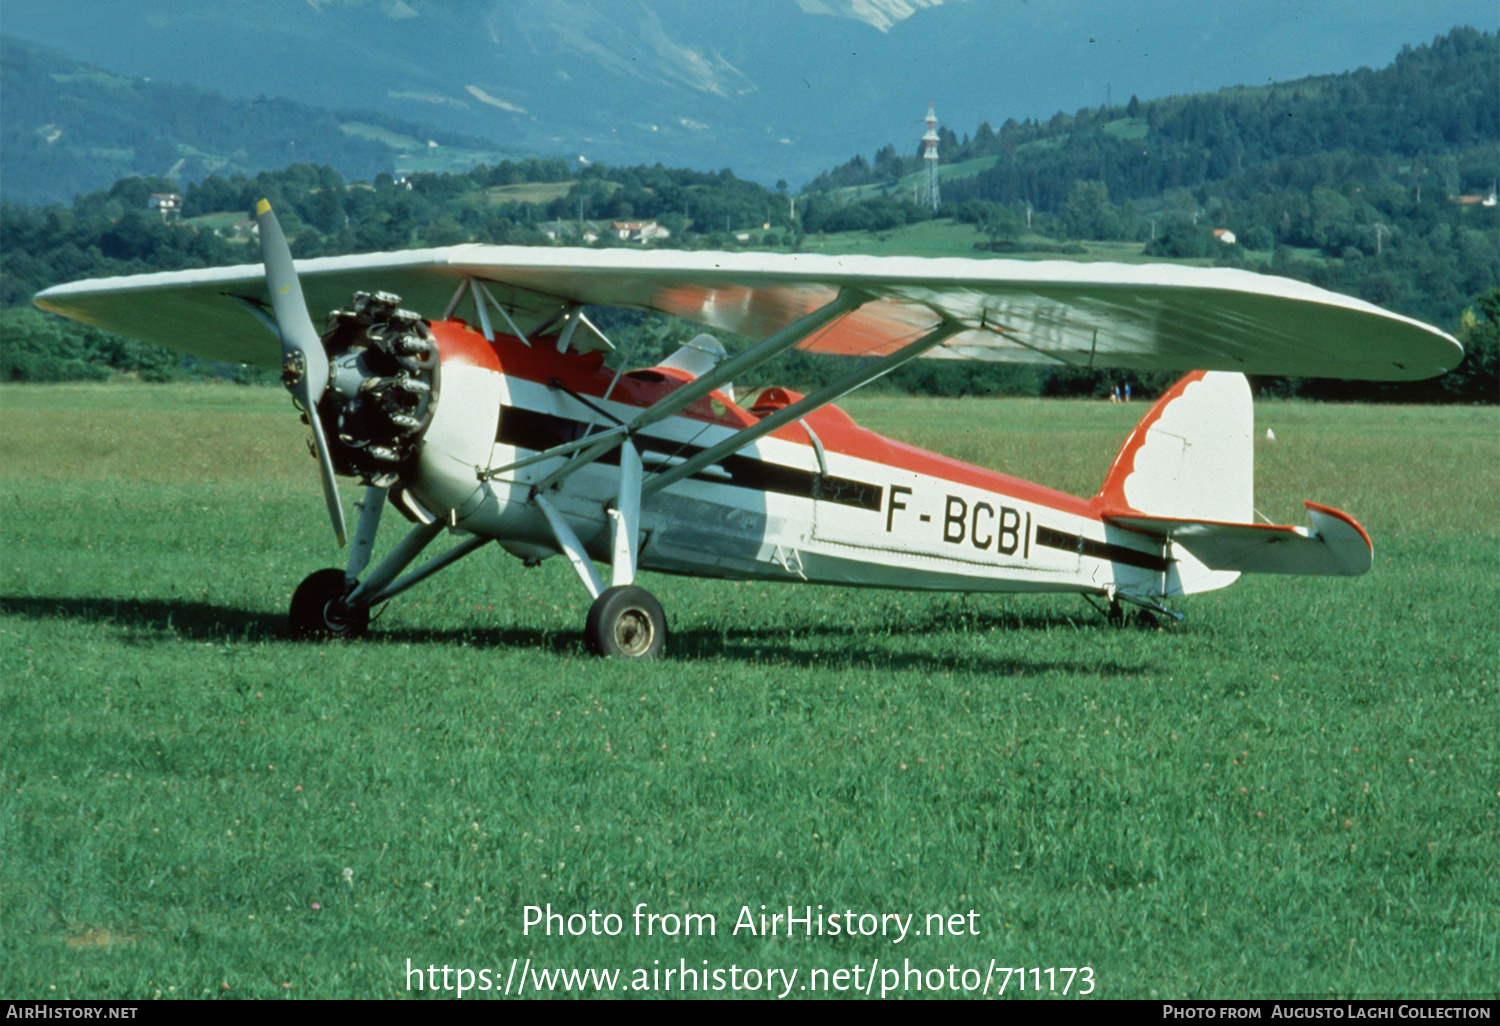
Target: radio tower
<point x="930" y="157"/>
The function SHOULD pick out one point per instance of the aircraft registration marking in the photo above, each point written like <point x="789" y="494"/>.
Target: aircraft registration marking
<point x="980" y="524"/>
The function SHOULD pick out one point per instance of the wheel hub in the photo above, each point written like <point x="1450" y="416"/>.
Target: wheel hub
<point x="634" y="632"/>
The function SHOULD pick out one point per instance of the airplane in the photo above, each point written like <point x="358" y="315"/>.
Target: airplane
<point x="499" y="420"/>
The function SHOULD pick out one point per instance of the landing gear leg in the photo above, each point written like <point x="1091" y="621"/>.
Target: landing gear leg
<point x="624" y="620"/>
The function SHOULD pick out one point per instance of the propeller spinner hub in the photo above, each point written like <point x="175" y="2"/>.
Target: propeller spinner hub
<point x="293" y="370"/>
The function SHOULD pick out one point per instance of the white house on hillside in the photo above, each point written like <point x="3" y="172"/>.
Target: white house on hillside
<point x="639" y="231"/>
<point x="165" y="203"/>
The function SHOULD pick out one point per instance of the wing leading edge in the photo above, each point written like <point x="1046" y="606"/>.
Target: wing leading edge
<point x="1144" y="317"/>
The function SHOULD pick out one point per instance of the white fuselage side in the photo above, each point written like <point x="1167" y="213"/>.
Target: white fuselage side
<point x="771" y="511"/>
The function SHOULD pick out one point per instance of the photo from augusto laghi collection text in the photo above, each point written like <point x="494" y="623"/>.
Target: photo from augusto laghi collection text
<point x="879" y="976"/>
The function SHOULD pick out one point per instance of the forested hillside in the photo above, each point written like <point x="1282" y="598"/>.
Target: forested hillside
<point x="1375" y="183"/>
<point x="71" y="128"/>
<point x="1352" y="181"/>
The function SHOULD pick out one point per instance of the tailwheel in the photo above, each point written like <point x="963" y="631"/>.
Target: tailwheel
<point x="1116" y="616"/>
<point x="626" y="621"/>
<point x="318" y="610"/>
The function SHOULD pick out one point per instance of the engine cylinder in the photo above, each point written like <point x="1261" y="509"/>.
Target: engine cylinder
<point x="383" y="386"/>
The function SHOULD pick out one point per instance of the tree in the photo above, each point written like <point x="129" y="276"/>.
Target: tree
<point x="1180" y="237"/>
<point x="1088" y="213"/>
<point x="1477" y="379"/>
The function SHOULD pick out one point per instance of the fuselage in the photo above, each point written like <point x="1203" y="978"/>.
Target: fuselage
<point x="821" y="500"/>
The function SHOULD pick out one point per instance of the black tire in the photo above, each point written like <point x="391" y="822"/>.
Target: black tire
<point x="628" y="622"/>
<point x="317" y="612"/>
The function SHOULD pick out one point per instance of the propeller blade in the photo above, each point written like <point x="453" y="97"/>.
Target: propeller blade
<point x="300" y="346"/>
<point x="330" y="486"/>
<point x="297" y="332"/>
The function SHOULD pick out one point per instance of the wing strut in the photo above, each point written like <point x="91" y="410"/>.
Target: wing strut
<point x="567" y="540"/>
<point x="483" y="299"/>
<point x="857" y="378"/>
<point x="679" y="399"/>
<point x="625" y="518"/>
<point x="625" y="511"/>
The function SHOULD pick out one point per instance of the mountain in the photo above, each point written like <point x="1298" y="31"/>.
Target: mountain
<point x="776" y="89"/>
<point x="70" y="128"/>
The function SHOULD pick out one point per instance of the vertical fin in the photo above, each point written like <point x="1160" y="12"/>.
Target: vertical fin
<point x="1192" y="455"/>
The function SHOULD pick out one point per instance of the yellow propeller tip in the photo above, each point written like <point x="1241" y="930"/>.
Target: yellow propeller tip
<point x="263" y="207"/>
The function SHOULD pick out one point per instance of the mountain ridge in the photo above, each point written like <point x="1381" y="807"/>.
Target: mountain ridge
<point x="777" y="89"/>
<point x="72" y="127"/>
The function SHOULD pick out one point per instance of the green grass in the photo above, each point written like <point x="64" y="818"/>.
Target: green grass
<point x="216" y="221"/>
<point x="905" y="185"/>
<point x="415" y="156"/>
<point x="443" y="160"/>
<point x="540" y="193"/>
<point x="395" y="140"/>
<point x="101" y="78"/>
<point x="1294" y="792"/>
<point x="1128" y="128"/>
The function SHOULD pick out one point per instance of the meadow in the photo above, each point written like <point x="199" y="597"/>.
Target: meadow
<point x="1294" y="792"/>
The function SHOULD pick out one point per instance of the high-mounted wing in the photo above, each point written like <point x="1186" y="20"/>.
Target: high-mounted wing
<point x="203" y="312"/>
<point x="1136" y="316"/>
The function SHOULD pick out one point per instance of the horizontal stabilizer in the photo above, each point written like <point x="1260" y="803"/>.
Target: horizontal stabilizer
<point x="1334" y="546"/>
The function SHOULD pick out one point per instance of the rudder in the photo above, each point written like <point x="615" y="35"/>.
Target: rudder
<point x="1192" y="456"/>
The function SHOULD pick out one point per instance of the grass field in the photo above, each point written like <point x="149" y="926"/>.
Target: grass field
<point x="904" y="187"/>
<point x="415" y="155"/>
<point x="539" y="193"/>
<point x="1296" y="791"/>
<point x="216" y="222"/>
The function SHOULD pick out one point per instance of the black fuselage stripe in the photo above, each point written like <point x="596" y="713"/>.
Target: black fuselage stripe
<point x="1055" y="539"/>
<point x="534" y="430"/>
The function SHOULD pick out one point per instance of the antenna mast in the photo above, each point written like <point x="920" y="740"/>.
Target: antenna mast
<point x="930" y="195"/>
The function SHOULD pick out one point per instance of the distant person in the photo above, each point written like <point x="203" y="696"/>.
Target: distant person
<point x="1127" y="391"/>
<point x="1114" y="393"/>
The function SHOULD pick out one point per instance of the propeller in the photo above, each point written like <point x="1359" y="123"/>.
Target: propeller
<point x="304" y="363"/>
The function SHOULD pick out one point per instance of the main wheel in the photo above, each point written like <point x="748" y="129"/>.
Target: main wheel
<point x="626" y="621"/>
<point x="318" y="610"/>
